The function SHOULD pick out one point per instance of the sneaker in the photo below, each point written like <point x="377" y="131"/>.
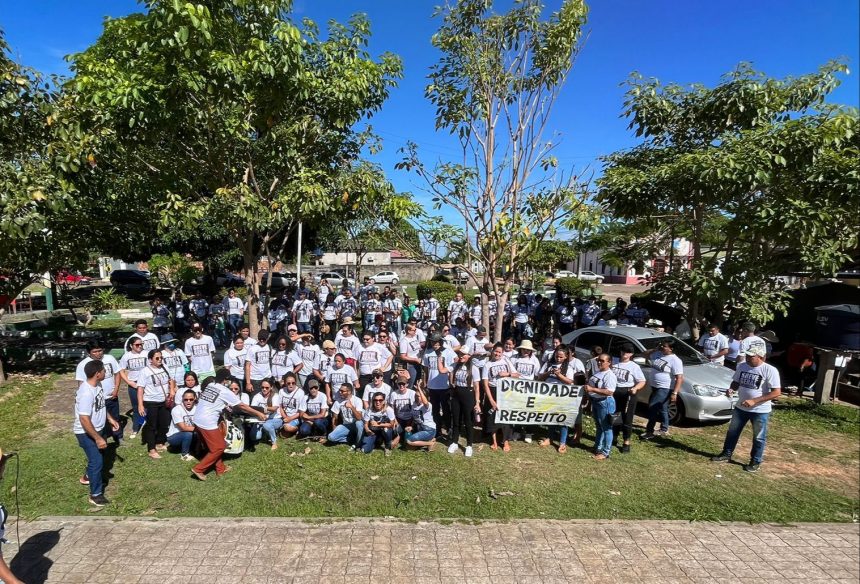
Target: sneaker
<point x="662" y="432"/>
<point x="133" y="435"/>
<point x="752" y="467"/>
<point x="188" y="458"/>
<point x="722" y="457"/>
<point x="528" y="439"/>
<point x="84" y="480"/>
<point x="646" y="436"/>
<point x="468" y="452"/>
<point x="387" y="451"/>
<point x="98" y="500"/>
<point x="352" y="448"/>
<point x="453" y="448"/>
<point x="625" y="448"/>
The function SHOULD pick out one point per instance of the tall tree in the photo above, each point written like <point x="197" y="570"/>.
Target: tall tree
<point x="226" y="109"/>
<point x="494" y="88"/>
<point x="759" y="173"/>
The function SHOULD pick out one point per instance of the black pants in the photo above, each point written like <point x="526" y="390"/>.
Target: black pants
<point x="462" y="413"/>
<point x="363" y="381"/>
<point x="157" y="424"/>
<point x="625" y="404"/>
<point x="440" y="401"/>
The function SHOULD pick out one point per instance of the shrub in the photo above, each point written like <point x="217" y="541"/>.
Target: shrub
<point x="441" y="278"/>
<point x="443" y="291"/>
<point x="107" y="299"/>
<point x="573" y="287"/>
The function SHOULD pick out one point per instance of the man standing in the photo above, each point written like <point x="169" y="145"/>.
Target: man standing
<point x="456" y="308"/>
<point x="199" y="309"/>
<point x="110" y="384"/>
<point x="141" y="331"/>
<point x="235" y="308"/>
<point x="715" y="345"/>
<point x="200" y="349"/>
<point x="90" y="419"/>
<point x="749" y="340"/>
<point x="757" y="384"/>
<point x="303" y="312"/>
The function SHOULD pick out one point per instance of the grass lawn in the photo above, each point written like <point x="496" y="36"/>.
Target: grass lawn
<point x="811" y="473"/>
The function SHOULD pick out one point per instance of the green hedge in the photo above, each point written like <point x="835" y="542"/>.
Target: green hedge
<point x="573" y="287"/>
<point x="442" y="291"/>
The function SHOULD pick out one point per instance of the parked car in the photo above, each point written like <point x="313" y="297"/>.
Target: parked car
<point x="703" y="391"/>
<point x="589" y="277"/>
<point x="229" y="280"/>
<point x="385" y="278"/>
<point x="131" y="281"/>
<point x="335" y="279"/>
<point x="71" y="279"/>
<point x="279" y="279"/>
<point x="560" y="274"/>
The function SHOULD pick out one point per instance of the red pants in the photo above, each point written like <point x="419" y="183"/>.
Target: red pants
<point x="215" y="444"/>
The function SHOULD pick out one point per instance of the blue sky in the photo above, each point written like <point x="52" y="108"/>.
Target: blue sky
<point x="684" y="41"/>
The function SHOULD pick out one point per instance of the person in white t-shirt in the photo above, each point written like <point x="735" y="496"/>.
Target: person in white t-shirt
<point x="235" y="309"/>
<point x="181" y="432"/>
<point x="200" y="350"/>
<point x="285" y="359"/>
<point x="421" y="432"/>
<point x="258" y="362"/>
<point x="667" y="378"/>
<point x="292" y="403"/>
<point x="601" y="389"/>
<point x="437" y="364"/>
<point x="410" y="351"/>
<point x="379" y="424"/>
<point x="91" y="417"/>
<point x="214" y="397"/>
<point x="269" y="401"/>
<point x="348" y="419"/>
<point x="757" y="384"/>
<point x="155" y="391"/>
<point x="377" y="385"/>
<point x="303" y="313"/>
<point x="714" y="345"/>
<point x="565" y="368"/>
<point x="456" y="308"/>
<point x="174" y="358"/>
<point x="337" y="375"/>
<point x="315" y="416"/>
<point x="748" y="340"/>
<point x="371" y="356"/>
<point x="465" y="382"/>
<point x="141" y="331"/>
<point x="497" y="367"/>
<point x="110" y="384"/>
<point x="347" y="343"/>
<point x="431" y="308"/>
<point x="234" y="359"/>
<point x="131" y="364"/>
<point x="631" y="380"/>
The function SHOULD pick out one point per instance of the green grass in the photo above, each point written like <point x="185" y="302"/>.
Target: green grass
<point x="668" y="479"/>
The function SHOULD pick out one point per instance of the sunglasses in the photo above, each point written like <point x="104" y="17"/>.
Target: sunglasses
<point x="377" y="376"/>
<point x="265" y="387"/>
<point x="156" y="358"/>
<point x="137" y="344"/>
<point x="379" y="400"/>
<point x="290" y="383"/>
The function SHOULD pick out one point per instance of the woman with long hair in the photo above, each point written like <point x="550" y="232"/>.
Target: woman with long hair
<point x="497" y="367"/>
<point x="155" y="390"/>
<point x="465" y="382"/>
<point x="564" y="368"/>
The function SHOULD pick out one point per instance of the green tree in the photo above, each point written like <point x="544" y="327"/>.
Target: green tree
<point x="759" y="173"/>
<point x="228" y="110"/>
<point x="172" y="271"/>
<point x="494" y="87"/>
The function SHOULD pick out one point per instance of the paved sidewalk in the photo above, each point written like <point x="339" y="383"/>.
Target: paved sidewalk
<point x="107" y="549"/>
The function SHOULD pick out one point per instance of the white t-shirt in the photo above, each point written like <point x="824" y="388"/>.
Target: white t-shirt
<point x="461" y="375"/>
<point x="753" y="382"/>
<point x="410" y="346"/>
<point x="234" y="306"/>
<point x="304" y="310"/>
<point x="574" y="366"/>
<point x="527" y="367"/>
<point x="478" y="350"/>
<point x="260" y="358"/>
<point x="150" y="342"/>
<point x="346" y="414"/>
<point x="370" y="389"/>
<point x="212" y="400"/>
<point x="284" y="362"/>
<point x="198" y="306"/>
<point x="199" y="352"/>
<point x="90" y="401"/>
<point x="348" y="346"/>
<point x="155" y="384"/>
<point x="423" y="417"/>
<point x="494" y="369"/>
<point x="310" y="356"/>
<point x="179" y="415"/>
<point x="292" y="402"/>
<point x="402" y="403"/>
<point x="174" y="362"/>
<point x="371" y="357"/>
<point x="431" y="308"/>
<point x="435" y="379"/>
<point x="603" y="380"/>
<point x="316" y="405"/>
<point x="111" y="368"/>
<point x="337" y="377"/>
<point x="383" y="416"/>
<point x="235" y="361"/>
<point x="628" y="374"/>
<point x="711" y="345"/>
<point x="665" y="368"/>
<point x="457" y="309"/>
<point x="133" y="363"/>
<point x="449" y="341"/>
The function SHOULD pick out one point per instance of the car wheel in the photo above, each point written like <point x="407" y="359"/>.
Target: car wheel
<point x="599" y="281"/>
<point x="395" y="281"/>
<point x="677" y="413"/>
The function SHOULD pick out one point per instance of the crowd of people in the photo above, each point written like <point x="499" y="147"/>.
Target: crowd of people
<point x="369" y="369"/>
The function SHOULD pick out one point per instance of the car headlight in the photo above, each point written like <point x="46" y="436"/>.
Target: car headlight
<point x="708" y="390"/>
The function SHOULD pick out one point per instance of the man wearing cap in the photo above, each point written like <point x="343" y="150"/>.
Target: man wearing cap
<point x="110" y="384"/>
<point x="757" y="384"/>
<point x="200" y="349"/>
<point x="748" y="340"/>
<point x="714" y="345"/>
<point x="326" y="360"/>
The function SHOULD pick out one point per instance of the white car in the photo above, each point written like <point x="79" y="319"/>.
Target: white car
<point x="560" y="274"/>
<point x="589" y="277"/>
<point x="385" y="278"/>
<point x="335" y="279"/>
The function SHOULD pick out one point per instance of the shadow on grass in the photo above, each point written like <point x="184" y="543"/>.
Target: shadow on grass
<point x="31" y="563"/>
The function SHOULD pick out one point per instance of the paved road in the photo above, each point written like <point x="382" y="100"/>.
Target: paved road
<point x="94" y="550"/>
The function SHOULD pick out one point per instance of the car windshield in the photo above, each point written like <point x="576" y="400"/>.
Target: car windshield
<point x="687" y="354"/>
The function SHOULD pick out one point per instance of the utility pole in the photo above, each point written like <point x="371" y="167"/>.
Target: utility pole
<point x="299" y="256"/>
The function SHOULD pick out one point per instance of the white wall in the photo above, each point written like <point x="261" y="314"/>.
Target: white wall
<point x="374" y="258"/>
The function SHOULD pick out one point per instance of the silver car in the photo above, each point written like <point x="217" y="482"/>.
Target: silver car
<point x="703" y="392"/>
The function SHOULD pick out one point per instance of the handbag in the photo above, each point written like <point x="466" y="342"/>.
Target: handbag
<point x="169" y="400"/>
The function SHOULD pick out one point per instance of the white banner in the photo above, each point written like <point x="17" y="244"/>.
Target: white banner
<point x="526" y="402"/>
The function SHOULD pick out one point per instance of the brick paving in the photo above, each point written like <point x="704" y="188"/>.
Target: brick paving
<point x="95" y="550"/>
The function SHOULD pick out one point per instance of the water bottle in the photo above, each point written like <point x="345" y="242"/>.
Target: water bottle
<point x="477" y="416"/>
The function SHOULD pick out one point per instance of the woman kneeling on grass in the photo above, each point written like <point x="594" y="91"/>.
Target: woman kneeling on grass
<point x="269" y="402"/>
<point x="181" y="432"/>
<point x="379" y="423"/>
<point x="348" y="419"/>
<point x="422" y="431"/>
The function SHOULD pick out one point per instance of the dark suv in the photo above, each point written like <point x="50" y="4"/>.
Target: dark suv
<point x="131" y="281"/>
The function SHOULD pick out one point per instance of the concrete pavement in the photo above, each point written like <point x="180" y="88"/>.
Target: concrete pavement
<point x="109" y="549"/>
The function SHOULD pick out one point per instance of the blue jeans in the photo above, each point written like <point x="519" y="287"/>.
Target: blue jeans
<point x="271" y="426"/>
<point x="183" y="440"/>
<point x="370" y="440"/>
<point x="602" y="411"/>
<point x="421" y="436"/>
<point x="736" y="426"/>
<point x="303" y="327"/>
<point x="95" y="463"/>
<point x="136" y="419"/>
<point x="307" y="428"/>
<point x="348" y="433"/>
<point x="234" y="321"/>
<point x="658" y="406"/>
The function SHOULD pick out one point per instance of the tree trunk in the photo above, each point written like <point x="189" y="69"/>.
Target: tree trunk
<point x="252" y="281"/>
<point x="500" y="314"/>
